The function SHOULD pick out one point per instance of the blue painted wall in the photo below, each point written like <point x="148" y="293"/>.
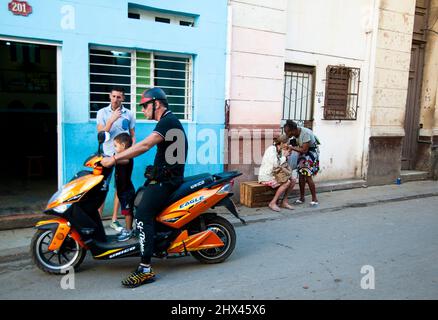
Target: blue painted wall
<point x="105" y="22"/>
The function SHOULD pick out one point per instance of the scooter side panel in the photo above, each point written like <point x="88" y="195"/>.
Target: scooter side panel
<point x="199" y="241"/>
<point x="114" y="249"/>
<point x="189" y="208"/>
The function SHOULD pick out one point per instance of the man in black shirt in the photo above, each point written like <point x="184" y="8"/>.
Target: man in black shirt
<point x="165" y="176"/>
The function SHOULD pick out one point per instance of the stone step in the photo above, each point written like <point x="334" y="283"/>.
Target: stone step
<point x="333" y="185"/>
<point x="329" y="186"/>
<point x="413" y="175"/>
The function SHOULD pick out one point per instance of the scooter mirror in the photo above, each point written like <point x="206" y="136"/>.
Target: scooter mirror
<point x="103" y="136"/>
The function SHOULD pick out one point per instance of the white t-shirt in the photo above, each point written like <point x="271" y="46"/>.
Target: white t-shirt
<point x="307" y="136"/>
<point x="269" y="161"/>
<point x="122" y="124"/>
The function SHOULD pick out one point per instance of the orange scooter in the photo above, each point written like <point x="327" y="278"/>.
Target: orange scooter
<point x="184" y="227"/>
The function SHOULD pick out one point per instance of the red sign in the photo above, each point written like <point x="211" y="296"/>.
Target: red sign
<point x="21" y="8"/>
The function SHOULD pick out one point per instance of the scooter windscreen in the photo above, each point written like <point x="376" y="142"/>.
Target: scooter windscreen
<point x="92" y="160"/>
<point x="74" y="190"/>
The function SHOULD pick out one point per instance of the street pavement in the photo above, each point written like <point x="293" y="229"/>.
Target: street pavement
<point x="368" y="243"/>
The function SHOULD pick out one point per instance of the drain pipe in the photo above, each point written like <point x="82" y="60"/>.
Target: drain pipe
<point x="228" y="62"/>
<point x="228" y="81"/>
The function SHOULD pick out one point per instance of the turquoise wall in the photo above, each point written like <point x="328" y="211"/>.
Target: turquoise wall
<point x="105" y="22"/>
<point x="205" y="153"/>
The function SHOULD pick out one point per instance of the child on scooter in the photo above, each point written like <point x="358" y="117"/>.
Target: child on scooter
<point x="125" y="188"/>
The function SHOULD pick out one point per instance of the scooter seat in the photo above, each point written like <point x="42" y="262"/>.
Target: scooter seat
<point x="196" y="177"/>
<point x="190" y="185"/>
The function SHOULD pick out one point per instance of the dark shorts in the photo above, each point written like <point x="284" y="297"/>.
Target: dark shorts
<point x="125" y="188"/>
<point x="126" y="199"/>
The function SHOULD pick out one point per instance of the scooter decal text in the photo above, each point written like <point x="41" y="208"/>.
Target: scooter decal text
<point x="121" y="252"/>
<point x="141" y="236"/>
<point x="192" y="202"/>
<point x="197" y="184"/>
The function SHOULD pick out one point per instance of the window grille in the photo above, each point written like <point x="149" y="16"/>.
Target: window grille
<point x="341" y="93"/>
<point x="137" y="71"/>
<point x="298" y="94"/>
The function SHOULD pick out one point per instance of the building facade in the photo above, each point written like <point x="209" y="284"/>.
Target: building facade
<point x="346" y="69"/>
<point x="61" y="58"/>
<point x="362" y="74"/>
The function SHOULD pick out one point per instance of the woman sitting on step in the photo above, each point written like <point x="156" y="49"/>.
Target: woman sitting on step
<point x="275" y="160"/>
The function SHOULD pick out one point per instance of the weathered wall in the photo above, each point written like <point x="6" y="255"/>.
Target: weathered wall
<point x="382" y="166"/>
<point x="106" y="23"/>
<point x="314" y="38"/>
<point x="389" y="90"/>
<point x="256" y="81"/>
<point x="257" y="63"/>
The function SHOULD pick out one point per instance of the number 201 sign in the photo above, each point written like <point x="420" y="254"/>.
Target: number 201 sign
<point x="21" y="8"/>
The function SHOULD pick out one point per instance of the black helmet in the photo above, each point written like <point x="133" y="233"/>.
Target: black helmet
<point x="153" y="94"/>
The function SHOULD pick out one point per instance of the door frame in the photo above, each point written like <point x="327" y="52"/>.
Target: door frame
<point x="409" y="162"/>
<point x="419" y="40"/>
<point x="59" y="95"/>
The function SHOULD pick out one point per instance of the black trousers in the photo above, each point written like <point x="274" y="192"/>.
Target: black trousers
<point x="153" y="201"/>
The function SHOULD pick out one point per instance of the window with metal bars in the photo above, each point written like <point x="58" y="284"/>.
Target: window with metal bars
<point x="298" y="94"/>
<point x="341" y="93"/>
<point x="137" y="71"/>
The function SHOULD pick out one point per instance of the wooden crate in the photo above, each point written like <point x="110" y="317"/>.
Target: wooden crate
<point x="254" y="194"/>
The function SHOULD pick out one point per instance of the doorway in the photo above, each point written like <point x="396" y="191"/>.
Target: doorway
<point x="412" y="114"/>
<point x="28" y="106"/>
<point x="410" y="144"/>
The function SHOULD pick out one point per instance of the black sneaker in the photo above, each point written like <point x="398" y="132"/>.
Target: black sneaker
<point x="141" y="276"/>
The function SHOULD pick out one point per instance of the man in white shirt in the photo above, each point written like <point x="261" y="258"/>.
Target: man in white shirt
<point x="115" y="119"/>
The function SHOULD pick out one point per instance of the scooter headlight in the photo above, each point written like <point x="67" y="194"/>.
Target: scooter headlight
<point x="61" y="208"/>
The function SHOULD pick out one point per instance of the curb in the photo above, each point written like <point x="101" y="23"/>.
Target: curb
<point x="20" y="221"/>
<point x="277" y="216"/>
<point x="22" y="253"/>
<point x="16" y="254"/>
<point x="11" y="222"/>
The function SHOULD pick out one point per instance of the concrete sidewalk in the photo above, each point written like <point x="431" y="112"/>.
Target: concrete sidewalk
<point x="14" y="244"/>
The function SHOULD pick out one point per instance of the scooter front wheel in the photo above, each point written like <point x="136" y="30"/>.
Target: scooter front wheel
<point x="70" y="255"/>
<point x="225" y="231"/>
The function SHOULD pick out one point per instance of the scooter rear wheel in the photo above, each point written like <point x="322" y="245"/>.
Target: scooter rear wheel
<point x="70" y="255"/>
<point x="225" y="231"/>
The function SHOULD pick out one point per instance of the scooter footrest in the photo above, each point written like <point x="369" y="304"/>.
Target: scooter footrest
<point x="87" y="231"/>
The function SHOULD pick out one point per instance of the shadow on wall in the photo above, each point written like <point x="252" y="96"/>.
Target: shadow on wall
<point x="435" y="162"/>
